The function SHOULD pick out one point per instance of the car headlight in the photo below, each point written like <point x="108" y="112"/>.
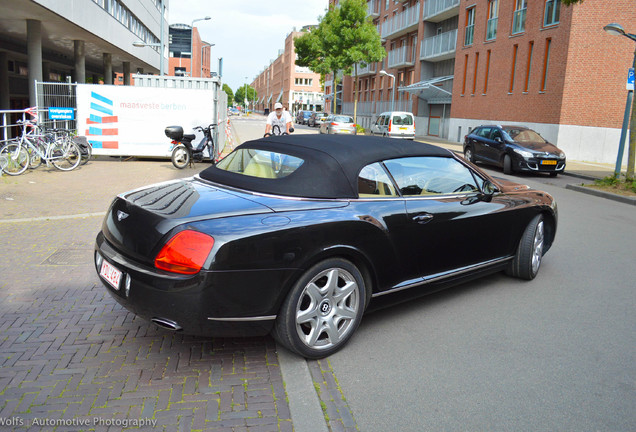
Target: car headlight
<point x="561" y="155"/>
<point x="524" y="153"/>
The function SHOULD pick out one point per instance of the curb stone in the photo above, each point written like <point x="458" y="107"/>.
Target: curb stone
<point x="602" y="194"/>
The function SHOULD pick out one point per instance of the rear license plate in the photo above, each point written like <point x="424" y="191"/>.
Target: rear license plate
<point x="345" y="131"/>
<point x="110" y="274"/>
<point x="403" y="128"/>
<point x="548" y="162"/>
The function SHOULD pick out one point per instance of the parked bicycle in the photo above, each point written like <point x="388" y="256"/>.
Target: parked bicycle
<point x="184" y="153"/>
<point x="31" y="148"/>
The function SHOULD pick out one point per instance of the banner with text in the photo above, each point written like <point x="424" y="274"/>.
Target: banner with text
<point x="130" y="121"/>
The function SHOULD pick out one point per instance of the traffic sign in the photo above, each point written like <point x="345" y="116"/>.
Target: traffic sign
<point x="630" y="79"/>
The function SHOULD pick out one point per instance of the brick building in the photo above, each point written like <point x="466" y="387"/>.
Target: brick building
<point x="461" y="63"/>
<point x="189" y="55"/>
<point x="282" y="81"/>
<point x="420" y="40"/>
<point x="547" y="66"/>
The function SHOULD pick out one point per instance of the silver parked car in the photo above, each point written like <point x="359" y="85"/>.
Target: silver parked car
<point x="338" y="124"/>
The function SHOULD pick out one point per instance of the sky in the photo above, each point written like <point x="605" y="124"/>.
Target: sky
<point x="246" y="33"/>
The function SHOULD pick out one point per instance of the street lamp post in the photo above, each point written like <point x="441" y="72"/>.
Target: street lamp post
<point x="245" y="101"/>
<point x="617" y="29"/>
<point x="192" y="43"/>
<point x="140" y="44"/>
<point x="383" y="72"/>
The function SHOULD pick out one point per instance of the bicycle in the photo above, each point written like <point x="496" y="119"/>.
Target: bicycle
<point x="16" y="155"/>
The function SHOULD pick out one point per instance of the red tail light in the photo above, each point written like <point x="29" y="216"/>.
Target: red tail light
<point x="334" y="124"/>
<point x="185" y="252"/>
<point x="175" y="142"/>
<point x="354" y="125"/>
<point x="390" y="124"/>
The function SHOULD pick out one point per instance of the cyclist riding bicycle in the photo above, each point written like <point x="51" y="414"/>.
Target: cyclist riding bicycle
<point x="277" y="121"/>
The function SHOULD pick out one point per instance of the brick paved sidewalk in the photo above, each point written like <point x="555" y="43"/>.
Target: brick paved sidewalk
<point x="69" y="351"/>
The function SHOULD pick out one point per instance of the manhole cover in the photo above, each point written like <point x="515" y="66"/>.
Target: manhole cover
<point x="69" y="257"/>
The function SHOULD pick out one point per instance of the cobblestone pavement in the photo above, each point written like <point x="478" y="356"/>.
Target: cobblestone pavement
<point x="71" y="356"/>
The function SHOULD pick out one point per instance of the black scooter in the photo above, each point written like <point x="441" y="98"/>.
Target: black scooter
<point x="183" y="153"/>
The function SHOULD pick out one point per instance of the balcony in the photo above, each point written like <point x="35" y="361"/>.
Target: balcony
<point x="440" y="10"/>
<point x="401" y="23"/>
<point x="401" y="57"/>
<point x="373" y="8"/>
<point x="369" y="69"/>
<point x="440" y="47"/>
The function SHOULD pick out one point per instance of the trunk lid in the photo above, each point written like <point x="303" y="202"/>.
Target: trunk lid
<point x="138" y="220"/>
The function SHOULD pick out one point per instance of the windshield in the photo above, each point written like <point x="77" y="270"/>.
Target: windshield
<point x="260" y="163"/>
<point x="523" y="135"/>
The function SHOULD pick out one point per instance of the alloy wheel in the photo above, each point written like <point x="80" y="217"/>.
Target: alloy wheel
<point x="327" y="308"/>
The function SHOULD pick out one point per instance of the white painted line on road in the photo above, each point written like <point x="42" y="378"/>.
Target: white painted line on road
<point x="46" y="218"/>
<point x="304" y="405"/>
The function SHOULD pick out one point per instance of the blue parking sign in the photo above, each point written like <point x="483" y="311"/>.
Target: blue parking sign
<point x="630" y="79"/>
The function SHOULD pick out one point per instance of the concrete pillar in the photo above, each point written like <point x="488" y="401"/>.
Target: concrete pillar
<point x="80" y="61"/>
<point x="5" y="99"/>
<point x="108" y="68"/>
<point x="34" y="53"/>
<point x="126" y="73"/>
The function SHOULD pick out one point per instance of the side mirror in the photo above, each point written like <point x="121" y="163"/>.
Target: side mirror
<point x="488" y="189"/>
<point x="498" y="139"/>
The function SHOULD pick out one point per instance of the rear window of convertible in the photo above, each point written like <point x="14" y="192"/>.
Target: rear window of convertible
<point x="260" y="163"/>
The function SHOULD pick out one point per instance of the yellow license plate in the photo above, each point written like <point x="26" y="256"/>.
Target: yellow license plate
<point x="403" y="128"/>
<point x="548" y="162"/>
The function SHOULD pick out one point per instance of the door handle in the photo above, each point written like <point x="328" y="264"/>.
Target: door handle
<point x="423" y="218"/>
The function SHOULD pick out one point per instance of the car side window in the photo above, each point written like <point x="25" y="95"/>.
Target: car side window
<point x="386" y="120"/>
<point x="496" y="133"/>
<point x="373" y="182"/>
<point x="380" y="121"/>
<point x="484" y="132"/>
<point x="431" y="175"/>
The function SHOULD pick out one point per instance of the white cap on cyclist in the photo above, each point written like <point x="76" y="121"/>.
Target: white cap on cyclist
<point x="278" y="105"/>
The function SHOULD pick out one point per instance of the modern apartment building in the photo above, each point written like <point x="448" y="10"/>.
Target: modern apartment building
<point x="86" y="40"/>
<point x="546" y="66"/>
<point x="420" y="39"/>
<point x="282" y="81"/>
<point x="461" y="63"/>
<point x="189" y="55"/>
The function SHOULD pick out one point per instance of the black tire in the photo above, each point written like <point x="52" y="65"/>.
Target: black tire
<point x="180" y="156"/>
<point x="527" y="260"/>
<point x="322" y="310"/>
<point x="66" y="156"/>
<point x="507" y="165"/>
<point x="87" y="153"/>
<point x="469" y="154"/>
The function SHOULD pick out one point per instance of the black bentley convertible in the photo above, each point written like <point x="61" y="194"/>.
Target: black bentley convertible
<point x="298" y="235"/>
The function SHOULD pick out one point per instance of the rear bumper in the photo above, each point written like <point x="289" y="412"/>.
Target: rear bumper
<point x="212" y="303"/>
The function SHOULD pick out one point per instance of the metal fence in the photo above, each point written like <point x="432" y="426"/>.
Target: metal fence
<point x="56" y="94"/>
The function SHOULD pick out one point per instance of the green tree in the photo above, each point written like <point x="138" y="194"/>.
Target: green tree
<point x="229" y="92"/>
<point x="344" y="38"/>
<point x="571" y="2"/>
<point x="361" y="41"/>
<point x="245" y="91"/>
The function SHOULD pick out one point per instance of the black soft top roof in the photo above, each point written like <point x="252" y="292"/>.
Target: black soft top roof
<point x="331" y="163"/>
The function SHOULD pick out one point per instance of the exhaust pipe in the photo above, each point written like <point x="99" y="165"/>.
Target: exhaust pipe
<point x="166" y="324"/>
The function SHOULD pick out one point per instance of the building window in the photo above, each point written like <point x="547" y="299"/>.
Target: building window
<point x="470" y="26"/>
<point x="514" y="66"/>
<point x="464" y="80"/>
<point x="491" y="27"/>
<point x="487" y="71"/>
<point x="546" y="63"/>
<point x="529" y="66"/>
<point x="552" y="10"/>
<point x="475" y="73"/>
<point x="519" y="18"/>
